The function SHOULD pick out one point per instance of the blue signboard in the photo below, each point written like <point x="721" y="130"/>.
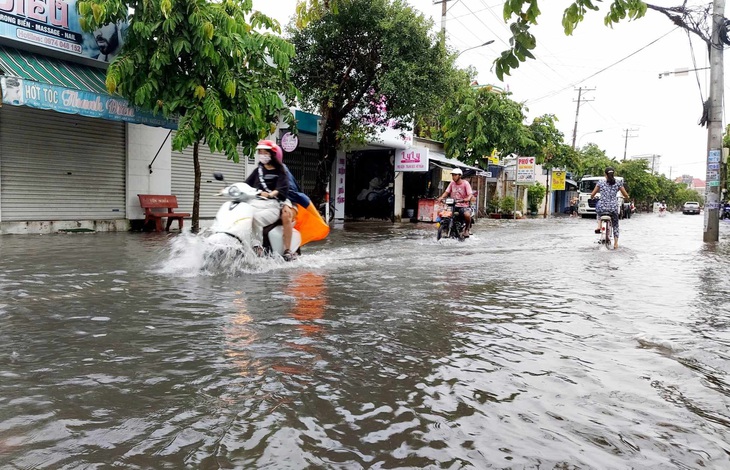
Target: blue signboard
<point x="21" y="92"/>
<point x="54" y="25"/>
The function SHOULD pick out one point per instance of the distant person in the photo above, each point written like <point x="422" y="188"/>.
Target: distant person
<point x="109" y="41"/>
<point x="574" y="206"/>
<point x="608" y="203"/>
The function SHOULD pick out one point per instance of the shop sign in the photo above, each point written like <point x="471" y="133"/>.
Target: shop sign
<point x="340" y="170"/>
<point x="21" y="92"/>
<point x="558" y="181"/>
<point x="54" y="25"/>
<point x="412" y="159"/>
<point x="525" y="170"/>
<point x="289" y="142"/>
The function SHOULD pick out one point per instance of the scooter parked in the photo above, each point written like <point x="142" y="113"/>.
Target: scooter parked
<point x="233" y="225"/>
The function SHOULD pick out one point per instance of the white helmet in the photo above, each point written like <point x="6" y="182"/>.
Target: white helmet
<point x="457" y="171"/>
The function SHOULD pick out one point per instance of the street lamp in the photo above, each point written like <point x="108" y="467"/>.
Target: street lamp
<point x="470" y="48"/>
<point x="587" y="133"/>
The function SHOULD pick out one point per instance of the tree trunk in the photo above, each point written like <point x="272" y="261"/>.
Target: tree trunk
<point x="196" y="192"/>
<point x="327" y="156"/>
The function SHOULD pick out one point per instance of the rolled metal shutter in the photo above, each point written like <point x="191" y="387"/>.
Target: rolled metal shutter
<point x="183" y="178"/>
<point x="56" y="166"/>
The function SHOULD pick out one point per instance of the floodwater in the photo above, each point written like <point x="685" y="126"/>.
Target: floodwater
<point x="526" y="346"/>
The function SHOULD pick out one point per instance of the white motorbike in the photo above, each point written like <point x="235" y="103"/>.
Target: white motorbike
<point x="233" y="223"/>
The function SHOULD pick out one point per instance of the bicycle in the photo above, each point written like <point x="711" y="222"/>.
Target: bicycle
<point x="606" y="232"/>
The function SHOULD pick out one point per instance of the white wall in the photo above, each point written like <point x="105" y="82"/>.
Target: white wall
<point x="143" y="142"/>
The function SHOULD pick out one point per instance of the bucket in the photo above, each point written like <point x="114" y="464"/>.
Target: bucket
<point x="410" y="213"/>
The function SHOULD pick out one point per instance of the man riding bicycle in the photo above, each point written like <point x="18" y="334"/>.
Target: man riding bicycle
<point x="608" y="203"/>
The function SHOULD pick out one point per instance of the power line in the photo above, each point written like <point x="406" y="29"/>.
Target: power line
<point x="551" y="94"/>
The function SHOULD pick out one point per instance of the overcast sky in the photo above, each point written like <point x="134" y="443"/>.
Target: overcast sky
<point x="621" y="65"/>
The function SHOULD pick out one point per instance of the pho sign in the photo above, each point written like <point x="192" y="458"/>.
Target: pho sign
<point x="525" y="170"/>
<point x="412" y="159"/>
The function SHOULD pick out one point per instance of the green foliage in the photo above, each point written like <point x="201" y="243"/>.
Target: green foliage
<point x="535" y="194"/>
<point x="638" y="180"/>
<point x="593" y="161"/>
<point x="312" y="10"/>
<point x="480" y="120"/>
<point x="369" y="64"/>
<point x="493" y="204"/>
<point x="524" y="13"/>
<point x="203" y="62"/>
<point x="507" y="204"/>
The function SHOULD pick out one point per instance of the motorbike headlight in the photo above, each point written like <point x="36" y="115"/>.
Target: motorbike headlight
<point x="234" y="192"/>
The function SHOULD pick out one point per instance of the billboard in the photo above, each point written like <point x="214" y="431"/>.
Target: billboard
<point x="21" y="92"/>
<point x="411" y="159"/>
<point x="558" y="181"/>
<point x="54" y="25"/>
<point x="525" y="170"/>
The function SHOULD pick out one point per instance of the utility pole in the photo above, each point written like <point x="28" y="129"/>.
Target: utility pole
<point x="443" y="15"/>
<point x="577" y="110"/>
<point x="714" y="126"/>
<point x="626" y="139"/>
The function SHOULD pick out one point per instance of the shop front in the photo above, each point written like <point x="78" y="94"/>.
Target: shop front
<point x="424" y="183"/>
<point x="65" y="147"/>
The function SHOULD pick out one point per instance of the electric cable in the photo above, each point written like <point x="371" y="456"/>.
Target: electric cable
<point x="551" y="94"/>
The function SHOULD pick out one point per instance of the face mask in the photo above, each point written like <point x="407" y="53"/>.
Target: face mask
<point x="264" y="159"/>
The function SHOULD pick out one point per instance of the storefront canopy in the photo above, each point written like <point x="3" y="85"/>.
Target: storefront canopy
<point x="441" y="158"/>
<point x="42" y="82"/>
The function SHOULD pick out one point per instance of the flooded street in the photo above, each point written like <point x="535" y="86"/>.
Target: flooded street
<point x="527" y="346"/>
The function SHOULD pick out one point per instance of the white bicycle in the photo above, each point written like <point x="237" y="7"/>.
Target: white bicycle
<point x="606" y="232"/>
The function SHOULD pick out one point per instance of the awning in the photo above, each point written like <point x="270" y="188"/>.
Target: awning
<point x="42" y="82"/>
<point x="571" y="182"/>
<point x="441" y="158"/>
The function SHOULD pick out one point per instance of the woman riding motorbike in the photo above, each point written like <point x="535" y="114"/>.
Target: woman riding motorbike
<point x="271" y="179"/>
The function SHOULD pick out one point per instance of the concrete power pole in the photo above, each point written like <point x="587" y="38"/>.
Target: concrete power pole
<point x="577" y="110"/>
<point x="443" y="15"/>
<point x="714" y="126"/>
<point x="626" y="139"/>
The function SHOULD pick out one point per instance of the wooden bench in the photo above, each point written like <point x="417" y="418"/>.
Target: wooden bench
<point x="160" y="201"/>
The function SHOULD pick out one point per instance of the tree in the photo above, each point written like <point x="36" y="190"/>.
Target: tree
<point x="593" y="161"/>
<point x="640" y="183"/>
<point x="370" y="64"/>
<point x="526" y="12"/>
<point x="204" y="63"/>
<point x="481" y="120"/>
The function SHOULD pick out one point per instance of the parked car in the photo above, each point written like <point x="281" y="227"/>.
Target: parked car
<point x="691" y="208"/>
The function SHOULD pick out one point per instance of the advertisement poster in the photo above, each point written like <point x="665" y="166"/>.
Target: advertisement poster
<point x="525" y="170"/>
<point x="20" y="92"/>
<point x="340" y="170"/>
<point x="412" y="159"/>
<point x="54" y="25"/>
<point x="558" y="181"/>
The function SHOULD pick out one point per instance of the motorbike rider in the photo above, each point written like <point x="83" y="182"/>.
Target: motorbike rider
<point x="271" y="179"/>
<point x="662" y="207"/>
<point x="460" y="190"/>
<point x="608" y="204"/>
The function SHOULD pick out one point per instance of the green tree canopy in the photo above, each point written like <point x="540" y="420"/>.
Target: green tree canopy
<point x="638" y="180"/>
<point x="365" y="65"/>
<point x="481" y="120"/>
<point x="211" y="64"/>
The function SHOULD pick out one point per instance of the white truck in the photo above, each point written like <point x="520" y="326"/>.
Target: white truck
<point x="588" y="209"/>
